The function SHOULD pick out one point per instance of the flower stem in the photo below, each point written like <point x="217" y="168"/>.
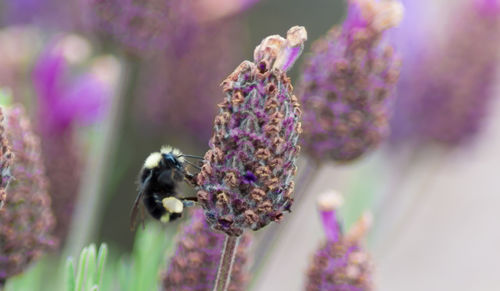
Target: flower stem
<point x="89" y="206"/>
<point x="226" y="263"/>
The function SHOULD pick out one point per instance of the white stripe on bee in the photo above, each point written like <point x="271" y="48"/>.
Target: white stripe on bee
<point x="173" y="205"/>
<point x="166" y="149"/>
<point x="152" y="161"/>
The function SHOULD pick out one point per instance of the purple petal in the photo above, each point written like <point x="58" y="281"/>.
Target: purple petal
<point x="48" y="75"/>
<point x="86" y="100"/>
<point x="331" y="225"/>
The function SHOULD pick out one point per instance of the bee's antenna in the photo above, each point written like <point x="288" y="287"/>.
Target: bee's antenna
<point x="191" y="156"/>
<point x="193" y="165"/>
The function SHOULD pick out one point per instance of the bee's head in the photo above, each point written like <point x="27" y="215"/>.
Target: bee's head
<point x="171" y="161"/>
<point x="172" y="157"/>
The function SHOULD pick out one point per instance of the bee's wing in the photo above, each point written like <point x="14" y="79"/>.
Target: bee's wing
<point x="133" y="213"/>
<point x="143" y="187"/>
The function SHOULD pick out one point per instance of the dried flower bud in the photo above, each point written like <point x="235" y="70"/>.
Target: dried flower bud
<point x="348" y="83"/>
<point x="26" y="218"/>
<point x="259" y="116"/>
<point x="6" y="158"/>
<point x="340" y="263"/>
<point x="194" y="265"/>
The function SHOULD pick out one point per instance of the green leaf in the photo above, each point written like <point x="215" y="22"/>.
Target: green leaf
<point x="81" y="269"/>
<point x="140" y="272"/>
<point x="91" y="267"/>
<point x="101" y="263"/>
<point x="70" y="275"/>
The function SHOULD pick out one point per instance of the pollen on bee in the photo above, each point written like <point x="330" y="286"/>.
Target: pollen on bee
<point x="165" y="218"/>
<point x="152" y="160"/>
<point x="173" y="205"/>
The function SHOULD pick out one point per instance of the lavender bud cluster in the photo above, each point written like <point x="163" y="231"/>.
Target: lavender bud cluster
<point x="340" y="263"/>
<point x="27" y="220"/>
<point x="194" y="265"/>
<point x="246" y="181"/>
<point x="348" y="83"/>
<point x="6" y="159"/>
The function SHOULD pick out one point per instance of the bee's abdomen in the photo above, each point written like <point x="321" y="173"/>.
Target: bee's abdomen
<point x="174" y="216"/>
<point x="154" y="205"/>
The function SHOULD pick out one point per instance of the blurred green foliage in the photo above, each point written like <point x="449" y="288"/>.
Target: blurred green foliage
<point x="94" y="270"/>
<point x="90" y="271"/>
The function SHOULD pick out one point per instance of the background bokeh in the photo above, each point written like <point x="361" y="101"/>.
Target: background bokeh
<point x="435" y="207"/>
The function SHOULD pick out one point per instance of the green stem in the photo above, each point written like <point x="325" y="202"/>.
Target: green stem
<point x="89" y="205"/>
<point x="226" y="263"/>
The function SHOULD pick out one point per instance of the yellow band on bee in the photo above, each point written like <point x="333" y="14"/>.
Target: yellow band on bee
<point x="165" y="218"/>
<point x="152" y="161"/>
<point x="173" y="205"/>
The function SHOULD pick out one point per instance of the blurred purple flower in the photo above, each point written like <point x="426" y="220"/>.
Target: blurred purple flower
<point x="151" y="26"/>
<point x="179" y="91"/>
<point x="447" y="78"/>
<point x="348" y="83"/>
<point x="60" y="14"/>
<point x="23" y="11"/>
<point x="197" y="256"/>
<point x="26" y="219"/>
<point x="340" y="263"/>
<point x="6" y="160"/>
<point x="208" y="10"/>
<point x="64" y="100"/>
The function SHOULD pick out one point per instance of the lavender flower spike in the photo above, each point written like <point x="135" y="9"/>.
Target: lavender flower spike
<point x="65" y="101"/>
<point x="194" y="265"/>
<point x="449" y="86"/>
<point x="348" y="83"/>
<point x="6" y="159"/>
<point x="328" y="204"/>
<point x="246" y="181"/>
<point x="340" y="263"/>
<point x="26" y="218"/>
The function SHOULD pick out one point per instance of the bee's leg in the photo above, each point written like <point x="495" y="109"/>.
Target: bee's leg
<point x="189" y="202"/>
<point x="186" y="201"/>
<point x="190" y="179"/>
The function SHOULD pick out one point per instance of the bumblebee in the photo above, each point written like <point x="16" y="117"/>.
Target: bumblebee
<point x="158" y="182"/>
